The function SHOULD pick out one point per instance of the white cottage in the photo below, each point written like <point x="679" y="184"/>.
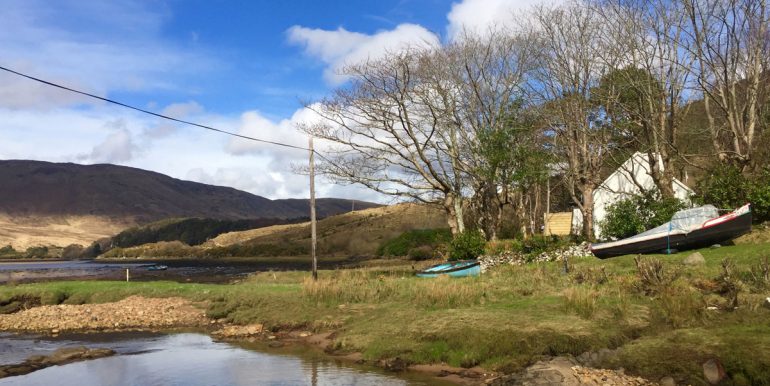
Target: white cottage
<point x="623" y="183"/>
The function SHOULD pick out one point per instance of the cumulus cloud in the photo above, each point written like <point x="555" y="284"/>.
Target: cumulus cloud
<point x="338" y="48"/>
<point x="118" y="147"/>
<point x="479" y="16"/>
<point x="254" y="124"/>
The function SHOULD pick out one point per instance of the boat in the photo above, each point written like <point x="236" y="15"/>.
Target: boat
<point x="688" y="229"/>
<point x="453" y="268"/>
<point x="157" y="267"/>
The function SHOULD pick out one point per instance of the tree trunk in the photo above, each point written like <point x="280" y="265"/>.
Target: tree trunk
<point x="661" y="175"/>
<point x="454" y="212"/>
<point x="588" y="212"/>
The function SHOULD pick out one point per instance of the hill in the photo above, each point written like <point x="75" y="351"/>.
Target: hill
<point x="72" y="203"/>
<point x="350" y="234"/>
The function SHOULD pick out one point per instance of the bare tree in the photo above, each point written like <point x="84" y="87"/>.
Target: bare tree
<point x="732" y="47"/>
<point x="388" y="135"/>
<point x="485" y="83"/>
<point x="648" y="94"/>
<point x="568" y="72"/>
<point x="434" y="125"/>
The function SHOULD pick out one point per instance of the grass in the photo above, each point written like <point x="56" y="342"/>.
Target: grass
<point x="503" y="320"/>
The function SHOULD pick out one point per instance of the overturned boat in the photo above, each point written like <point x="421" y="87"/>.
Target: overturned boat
<point x="454" y="269"/>
<point x="688" y="229"/>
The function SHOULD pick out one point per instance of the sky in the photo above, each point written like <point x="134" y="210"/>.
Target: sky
<point x="243" y="66"/>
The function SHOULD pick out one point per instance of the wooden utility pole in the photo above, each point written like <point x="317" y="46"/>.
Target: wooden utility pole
<point x="547" y="203"/>
<point x="312" y="209"/>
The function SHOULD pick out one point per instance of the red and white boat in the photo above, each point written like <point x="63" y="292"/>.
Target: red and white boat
<point x="688" y="229"/>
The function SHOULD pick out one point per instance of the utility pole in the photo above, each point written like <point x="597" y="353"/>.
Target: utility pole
<point x="312" y="209"/>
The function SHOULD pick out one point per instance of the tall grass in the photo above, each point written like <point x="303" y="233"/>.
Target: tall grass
<point x="366" y="286"/>
<point x="581" y="300"/>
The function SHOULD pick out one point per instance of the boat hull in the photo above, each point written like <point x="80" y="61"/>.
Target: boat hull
<point x="454" y="269"/>
<point x="698" y="238"/>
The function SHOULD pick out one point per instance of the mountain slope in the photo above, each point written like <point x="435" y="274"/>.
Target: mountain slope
<point x="56" y="193"/>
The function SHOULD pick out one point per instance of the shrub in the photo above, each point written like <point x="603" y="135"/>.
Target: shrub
<point x="421" y="253"/>
<point x="467" y="245"/>
<point x="8" y="251"/>
<point x="634" y="215"/>
<point x="405" y="242"/>
<point x="36" y="252"/>
<point x="727" y="188"/>
<point x="653" y="277"/>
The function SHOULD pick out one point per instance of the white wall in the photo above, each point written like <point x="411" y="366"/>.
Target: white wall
<point x="624" y="183"/>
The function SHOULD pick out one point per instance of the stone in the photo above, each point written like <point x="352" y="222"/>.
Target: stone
<point x="667" y="381"/>
<point x="713" y="371"/>
<point x="694" y="259"/>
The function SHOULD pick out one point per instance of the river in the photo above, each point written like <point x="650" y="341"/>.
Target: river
<point x="189" y="359"/>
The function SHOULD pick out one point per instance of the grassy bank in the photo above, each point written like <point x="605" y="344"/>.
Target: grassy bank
<point x="507" y="318"/>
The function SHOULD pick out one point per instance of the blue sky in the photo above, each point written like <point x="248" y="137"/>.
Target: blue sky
<point x="243" y="66"/>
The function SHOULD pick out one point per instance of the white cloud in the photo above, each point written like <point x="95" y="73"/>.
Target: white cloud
<point x="118" y="147"/>
<point x="340" y="47"/>
<point x="480" y="16"/>
<point x="184" y="111"/>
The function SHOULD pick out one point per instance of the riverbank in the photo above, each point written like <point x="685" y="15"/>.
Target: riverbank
<point x="137" y="313"/>
<point x="604" y="314"/>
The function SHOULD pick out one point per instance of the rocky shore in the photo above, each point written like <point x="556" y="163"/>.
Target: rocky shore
<point x="59" y="357"/>
<point x="134" y="312"/>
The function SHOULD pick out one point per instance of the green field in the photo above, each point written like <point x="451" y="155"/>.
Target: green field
<point x="507" y="318"/>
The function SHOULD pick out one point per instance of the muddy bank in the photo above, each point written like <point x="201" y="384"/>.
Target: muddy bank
<point x="134" y="312"/>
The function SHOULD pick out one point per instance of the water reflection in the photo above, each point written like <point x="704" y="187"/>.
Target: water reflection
<point x="194" y="359"/>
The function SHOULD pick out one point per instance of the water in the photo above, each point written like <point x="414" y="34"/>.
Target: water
<point x="187" y="359"/>
<point x="181" y="270"/>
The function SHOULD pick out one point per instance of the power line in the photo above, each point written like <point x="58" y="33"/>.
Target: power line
<point x="152" y="113"/>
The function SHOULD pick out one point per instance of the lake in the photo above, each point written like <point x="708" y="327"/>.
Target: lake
<point x="189" y="359"/>
<point x="181" y="270"/>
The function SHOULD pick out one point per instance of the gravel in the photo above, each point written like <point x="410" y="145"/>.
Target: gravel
<point x="134" y="312"/>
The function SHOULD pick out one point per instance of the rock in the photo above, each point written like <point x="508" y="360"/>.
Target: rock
<point x="667" y="381"/>
<point x="67" y="353"/>
<point x="37" y="358"/>
<point x="694" y="259"/>
<point x="767" y="303"/>
<point x="713" y="371"/>
<point x="394" y="364"/>
<point x="58" y="357"/>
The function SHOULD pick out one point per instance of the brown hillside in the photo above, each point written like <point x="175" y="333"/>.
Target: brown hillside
<point x="354" y="233"/>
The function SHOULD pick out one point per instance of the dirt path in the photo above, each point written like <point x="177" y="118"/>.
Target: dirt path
<point x="134" y="312"/>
